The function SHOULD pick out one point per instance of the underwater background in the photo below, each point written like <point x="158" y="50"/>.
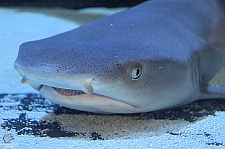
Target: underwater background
<point x="28" y="120"/>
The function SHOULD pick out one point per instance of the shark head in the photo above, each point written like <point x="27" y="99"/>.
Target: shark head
<point x="97" y="77"/>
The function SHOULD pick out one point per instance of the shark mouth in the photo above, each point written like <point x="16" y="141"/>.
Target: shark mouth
<point x="68" y="92"/>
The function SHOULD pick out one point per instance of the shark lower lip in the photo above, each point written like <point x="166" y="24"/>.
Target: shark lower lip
<point x="68" y="92"/>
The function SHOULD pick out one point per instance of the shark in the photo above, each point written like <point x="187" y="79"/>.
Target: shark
<point x="156" y="55"/>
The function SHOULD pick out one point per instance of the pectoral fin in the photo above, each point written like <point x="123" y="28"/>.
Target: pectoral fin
<point x="215" y="89"/>
<point x="217" y="84"/>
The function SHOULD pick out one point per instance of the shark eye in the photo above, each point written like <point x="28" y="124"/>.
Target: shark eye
<point x="136" y="72"/>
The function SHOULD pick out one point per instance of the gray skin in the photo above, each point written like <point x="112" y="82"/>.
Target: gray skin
<point x="156" y="55"/>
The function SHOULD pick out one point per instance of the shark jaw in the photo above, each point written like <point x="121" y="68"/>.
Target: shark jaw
<point x="68" y="92"/>
<point x="79" y="100"/>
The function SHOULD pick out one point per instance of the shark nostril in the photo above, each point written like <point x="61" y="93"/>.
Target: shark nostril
<point x="25" y="80"/>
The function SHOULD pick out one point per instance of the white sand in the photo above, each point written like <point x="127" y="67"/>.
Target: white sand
<point x="119" y="131"/>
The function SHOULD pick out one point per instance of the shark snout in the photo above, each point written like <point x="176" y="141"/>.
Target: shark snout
<point x="37" y="79"/>
<point x="42" y="65"/>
